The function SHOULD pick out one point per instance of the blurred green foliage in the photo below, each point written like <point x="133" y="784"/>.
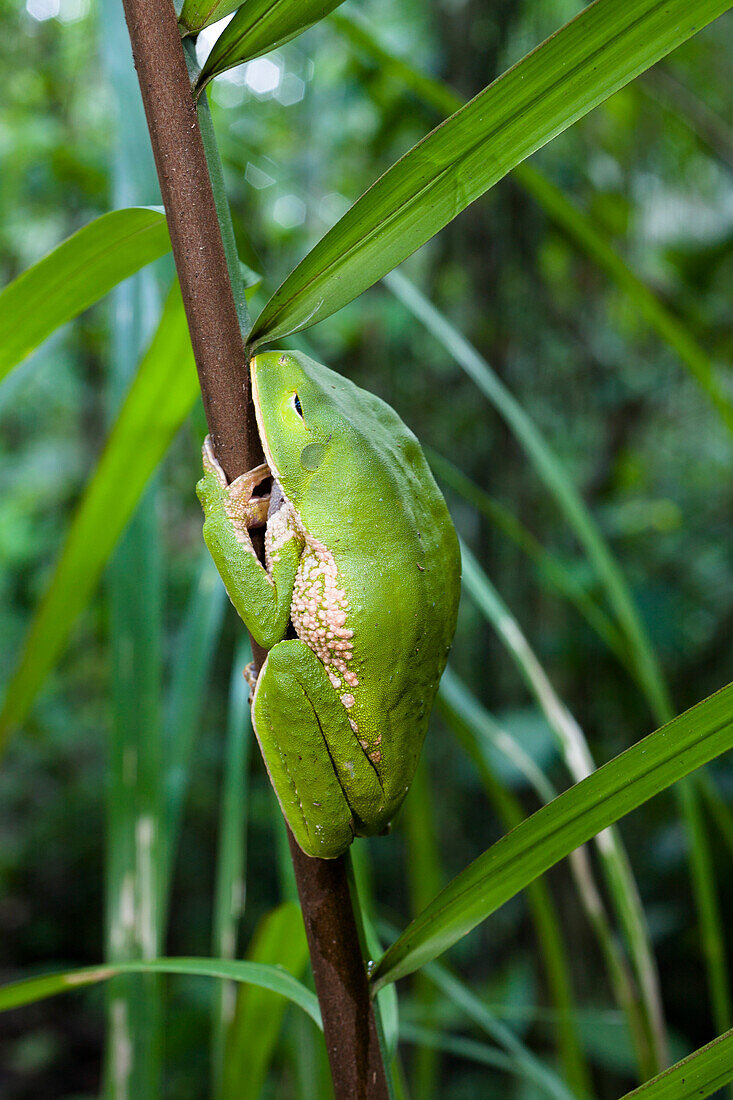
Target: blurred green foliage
<point x="302" y="133"/>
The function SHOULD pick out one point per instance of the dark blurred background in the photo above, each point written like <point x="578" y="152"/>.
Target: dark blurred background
<point x="302" y="133"/>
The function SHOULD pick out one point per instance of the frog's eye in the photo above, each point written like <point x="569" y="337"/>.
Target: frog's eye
<point x="295" y="402"/>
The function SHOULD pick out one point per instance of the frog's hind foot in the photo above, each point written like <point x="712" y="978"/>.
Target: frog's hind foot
<point x="250" y="674"/>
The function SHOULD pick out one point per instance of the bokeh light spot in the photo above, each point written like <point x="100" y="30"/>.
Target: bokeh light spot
<point x="288" y="211"/>
<point x="263" y="76"/>
<point x="41" y="10"/>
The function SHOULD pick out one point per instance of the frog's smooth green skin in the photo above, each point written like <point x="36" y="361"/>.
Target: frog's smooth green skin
<point x="363" y="558"/>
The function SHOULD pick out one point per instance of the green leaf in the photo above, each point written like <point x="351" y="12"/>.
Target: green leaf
<point x="231" y="859"/>
<point x="197" y="14"/>
<point x="191" y="675"/>
<point x="254" y="1031"/>
<point x="608" y="44"/>
<point x="622" y="888"/>
<point x="259" y="27"/>
<point x="158" y="401"/>
<point x="273" y="978"/>
<point x="134" y="595"/>
<point x="75" y="275"/>
<point x="550" y="834"/>
<point x="579" y="227"/>
<point x="482" y="738"/>
<point x="647" y="668"/>
<point x="699" y="1075"/>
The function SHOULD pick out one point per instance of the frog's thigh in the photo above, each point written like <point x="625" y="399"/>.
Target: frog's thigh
<point x="321" y="776"/>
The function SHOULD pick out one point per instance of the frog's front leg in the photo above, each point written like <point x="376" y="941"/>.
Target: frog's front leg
<point x="328" y="790"/>
<point x="261" y="598"/>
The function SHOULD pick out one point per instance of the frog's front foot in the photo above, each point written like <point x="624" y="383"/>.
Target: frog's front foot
<point x="243" y="508"/>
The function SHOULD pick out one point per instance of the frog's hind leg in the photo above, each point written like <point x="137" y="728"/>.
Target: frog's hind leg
<point x="324" y="782"/>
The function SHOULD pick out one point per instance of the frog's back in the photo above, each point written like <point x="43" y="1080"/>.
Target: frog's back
<point x="398" y="566"/>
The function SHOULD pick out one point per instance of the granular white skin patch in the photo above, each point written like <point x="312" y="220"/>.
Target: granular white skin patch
<point x="320" y="607"/>
<point x="280" y="529"/>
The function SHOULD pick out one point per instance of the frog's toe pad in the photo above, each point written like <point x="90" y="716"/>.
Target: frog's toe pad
<point x="250" y="674"/>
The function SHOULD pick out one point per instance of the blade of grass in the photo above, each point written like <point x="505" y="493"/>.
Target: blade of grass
<point x="359" y="871"/>
<point x="31" y="990"/>
<point x="560" y="485"/>
<point x="550" y="569"/>
<point x="574" y="747"/>
<point x="574" y="222"/>
<point x="158" y="401"/>
<point x="459" y="1047"/>
<point x="230" y="895"/>
<point x="456" y="702"/>
<point x="608" y="44"/>
<point x="552" y="474"/>
<point x="453" y="705"/>
<point x="550" y="834"/>
<point x="713" y="940"/>
<point x="699" y="1075"/>
<point x="531" y="1067"/>
<point x="478" y="733"/>
<point x="253" y="1034"/>
<point x="75" y="276"/>
<point x="134" y="1048"/>
<point x="424" y="880"/>
<point x="191" y="673"/>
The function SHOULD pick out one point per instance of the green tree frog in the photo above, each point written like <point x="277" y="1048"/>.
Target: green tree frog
<point x="363" y="560"/>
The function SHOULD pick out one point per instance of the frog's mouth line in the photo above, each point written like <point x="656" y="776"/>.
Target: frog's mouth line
<point x="260" y="423"/>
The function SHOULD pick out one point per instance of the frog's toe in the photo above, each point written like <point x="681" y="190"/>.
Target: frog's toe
<point x="243" y="485"/>
<point x="250" y="674"/>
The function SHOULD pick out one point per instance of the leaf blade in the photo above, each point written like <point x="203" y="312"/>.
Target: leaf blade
<point x="75" y="275"/>
<point x="258" y="1016"/>
<point x="259" y="27"/>
<point x="550" y="834"/>
<point x="700" y="1074"/>
<point x="273" y="978"/>
<point x="608" y="44"/>
<point x="158" y="401"/>
<point x="577" y="224"/>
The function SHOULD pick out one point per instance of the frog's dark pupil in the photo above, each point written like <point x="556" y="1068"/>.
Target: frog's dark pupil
<point x="298" y="409"/>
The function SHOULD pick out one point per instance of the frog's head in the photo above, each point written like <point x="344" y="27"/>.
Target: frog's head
<point x="302" y="420"/>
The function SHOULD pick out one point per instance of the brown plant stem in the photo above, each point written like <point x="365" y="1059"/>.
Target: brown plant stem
<point x="338" y="966"/>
